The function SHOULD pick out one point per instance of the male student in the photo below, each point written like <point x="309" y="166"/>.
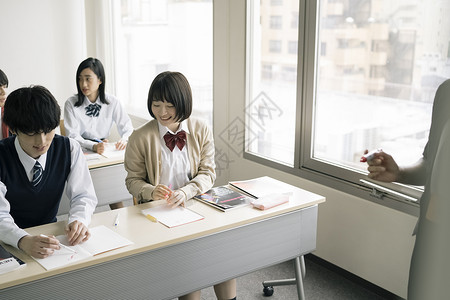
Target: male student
<point x="35" y="166"/>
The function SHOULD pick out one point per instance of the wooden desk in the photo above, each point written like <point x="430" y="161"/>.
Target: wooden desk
<point x="165" y="263"/>
<point x="108" y="176"/>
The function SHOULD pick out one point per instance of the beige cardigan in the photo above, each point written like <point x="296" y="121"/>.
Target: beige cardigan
<point x="143" y="160"/>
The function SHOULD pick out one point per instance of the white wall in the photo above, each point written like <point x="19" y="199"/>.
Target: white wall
<point x="42" y="42"/>
<point x="369" y="240"/>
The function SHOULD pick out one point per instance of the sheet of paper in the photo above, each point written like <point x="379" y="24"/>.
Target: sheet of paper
<point x="112" y="152"/>
<point x="63" y="256"/>
<point x="102" y="239"/>
<point x="258" y="187"/>
<point x="89" y="155"/>
<point x="172" y="217"/>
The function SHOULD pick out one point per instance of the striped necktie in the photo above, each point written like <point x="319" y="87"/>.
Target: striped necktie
<point x="37" y="174"/>
<point x="93" y="110"/>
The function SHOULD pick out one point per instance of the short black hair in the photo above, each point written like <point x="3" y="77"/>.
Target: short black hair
<point x="3" y="79"/>
<point x="97" y="67"/>
<point x="31" y="110"/>
<point x="174" y="88"/>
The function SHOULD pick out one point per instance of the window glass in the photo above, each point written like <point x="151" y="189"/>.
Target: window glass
<point x="272" y="75"/>
<point x="152" y="36"/>
<point x="378" y="66"/>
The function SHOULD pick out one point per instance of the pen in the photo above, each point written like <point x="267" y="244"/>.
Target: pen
<point x="151" y="218"/>
<point x="170" y="187"/>
<point x="116" y="222"/>
<point x="98" y="140"/>
<point x="369" y="156"/>
<point x="62" y="245"/>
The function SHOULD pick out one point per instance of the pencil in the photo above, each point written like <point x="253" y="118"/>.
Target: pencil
<point x="62" y="245"/>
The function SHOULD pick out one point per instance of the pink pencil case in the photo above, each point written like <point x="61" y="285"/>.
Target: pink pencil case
<point x="271" y="200"/>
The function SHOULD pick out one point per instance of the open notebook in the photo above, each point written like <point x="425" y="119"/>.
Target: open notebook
<point x="102" y="240"/>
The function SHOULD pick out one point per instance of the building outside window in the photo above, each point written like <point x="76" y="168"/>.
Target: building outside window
<point x="365" y="79"/>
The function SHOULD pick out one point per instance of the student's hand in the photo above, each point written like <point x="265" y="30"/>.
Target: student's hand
<point x="383" y="167"/>
<point x="77" y="233"/>
<point x="121" y="145"/>
<point x="161" y="192"/>
<point x="99" y="148"/>
<point x="176" y="198"/>
<point x="38" y="246"/>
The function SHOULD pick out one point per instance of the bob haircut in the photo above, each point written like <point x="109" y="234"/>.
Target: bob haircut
<point x="174" y="88"/>
<point x="31" y="110"/>
<point x="3" y="79"/>
<point x="97" y="67"/>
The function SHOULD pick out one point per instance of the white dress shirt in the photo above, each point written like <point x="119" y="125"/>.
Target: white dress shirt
<point x="79" y="189"/>
<point x="175" y="171"/>
<point x="85" y="128"/>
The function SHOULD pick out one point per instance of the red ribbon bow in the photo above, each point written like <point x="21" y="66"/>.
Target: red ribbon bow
<point x="179" y="139"/>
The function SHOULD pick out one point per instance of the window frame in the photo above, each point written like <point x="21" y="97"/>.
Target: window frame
<point x="305" y="166"/>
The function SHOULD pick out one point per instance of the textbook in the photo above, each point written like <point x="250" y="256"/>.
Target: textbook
<point x="224" y="198"/>
<point x="8" y="261"/>
<point x="102" y="240"/>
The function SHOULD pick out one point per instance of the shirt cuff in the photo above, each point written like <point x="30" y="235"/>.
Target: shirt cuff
<point x="15" y="237"/>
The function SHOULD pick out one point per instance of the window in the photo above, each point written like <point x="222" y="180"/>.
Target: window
<point x="276" y="22"/>
<point x="293" y="47"/>
<point x="275" y="46"/>
<point x="276" y="2"/>
<point x="152" y="36"/>
<point x="365" y="76"/>
<point x="272" y="91"/>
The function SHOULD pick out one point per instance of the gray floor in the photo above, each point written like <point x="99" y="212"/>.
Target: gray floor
<point x="319" y="283"/>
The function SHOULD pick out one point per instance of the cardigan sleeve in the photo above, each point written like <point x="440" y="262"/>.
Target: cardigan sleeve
<point x="141" y="163"/>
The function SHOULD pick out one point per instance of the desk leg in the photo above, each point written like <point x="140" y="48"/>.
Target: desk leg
<point x="300" y="271"/>
<point x="299" y="278"/>
<point x="303" y="266"/>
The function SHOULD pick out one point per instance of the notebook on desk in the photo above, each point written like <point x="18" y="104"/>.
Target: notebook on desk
<point x="224" y="198"/>
<point x="102" y="240"/>
<point x="8" y="261"/>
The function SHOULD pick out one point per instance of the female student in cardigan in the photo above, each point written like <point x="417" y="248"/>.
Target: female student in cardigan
<point x="36" y="166"/>
<point x="89" y="115"/>
<point x="171" y="158"/>
<point x="4" y="132"/>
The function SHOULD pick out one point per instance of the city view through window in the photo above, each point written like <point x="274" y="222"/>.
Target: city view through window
<point x="377" y="66"/>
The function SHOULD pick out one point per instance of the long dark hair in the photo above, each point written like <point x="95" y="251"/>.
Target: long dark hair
<point x="97" y="67"/>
